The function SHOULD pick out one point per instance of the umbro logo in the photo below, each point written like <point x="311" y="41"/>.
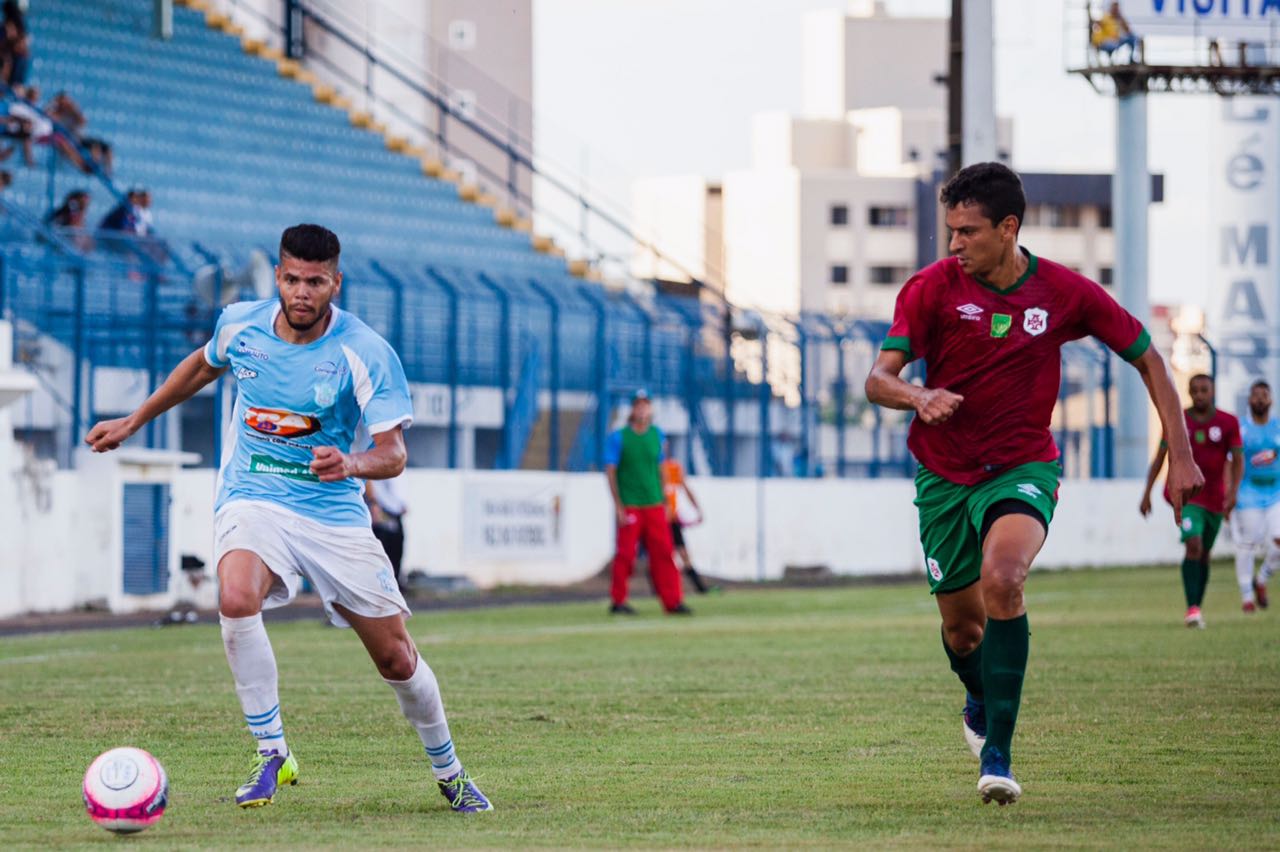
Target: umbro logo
<point x="970" y="312"/>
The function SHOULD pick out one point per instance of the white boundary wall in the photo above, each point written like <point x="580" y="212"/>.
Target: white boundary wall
<point x="53" y="560"/>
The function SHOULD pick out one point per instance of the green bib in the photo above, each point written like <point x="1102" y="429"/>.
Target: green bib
<point x="639" y="480"/>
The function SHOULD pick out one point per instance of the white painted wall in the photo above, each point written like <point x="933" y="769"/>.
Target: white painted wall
<point x="56" y="560"/>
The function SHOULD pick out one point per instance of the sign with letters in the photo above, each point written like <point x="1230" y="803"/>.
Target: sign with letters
<point x="1228" y="20"/>
<point x="1243" y="317"/>
<point x="513" y="520"/>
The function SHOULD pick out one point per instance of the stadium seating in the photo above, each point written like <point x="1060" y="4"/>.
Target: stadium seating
<point x="232" y="152"/>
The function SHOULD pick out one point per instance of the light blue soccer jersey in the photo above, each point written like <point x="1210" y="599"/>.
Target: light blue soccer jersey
<point x="335" y="391"/>
<point x="1260" y="487"/>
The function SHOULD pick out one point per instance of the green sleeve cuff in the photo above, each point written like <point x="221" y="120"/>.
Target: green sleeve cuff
<point x="901" y="344"/>
<point x="1134" y="350"/>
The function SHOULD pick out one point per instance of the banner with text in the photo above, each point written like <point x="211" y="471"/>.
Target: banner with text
<point x="1233" y="20"/>
<point x="513" y="520"/>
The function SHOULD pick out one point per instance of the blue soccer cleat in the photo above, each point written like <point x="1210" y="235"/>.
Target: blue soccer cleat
<point x="996" y="783"/>
<point x="463" y="794"/>
<point x="270" y="770"/>
<point x="975" y="724"/>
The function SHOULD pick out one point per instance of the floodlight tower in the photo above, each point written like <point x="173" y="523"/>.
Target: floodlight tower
<point x="1191" y="43"/>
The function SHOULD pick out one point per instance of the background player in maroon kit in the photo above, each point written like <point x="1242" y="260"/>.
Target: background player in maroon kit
<point x="989" y="323"/>
<point x="1215" y="435"/>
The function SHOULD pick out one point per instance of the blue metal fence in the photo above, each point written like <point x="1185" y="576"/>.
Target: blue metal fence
<point x="744" y="394"/>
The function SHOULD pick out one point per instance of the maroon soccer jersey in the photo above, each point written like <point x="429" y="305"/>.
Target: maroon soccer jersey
<point x="1000" y="351"/>
<point x="1211" y="441"/>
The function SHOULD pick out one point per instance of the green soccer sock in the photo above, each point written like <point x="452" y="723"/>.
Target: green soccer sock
<point x="968" y="668"/>
<point x="1202" y="570"/>
<point x="1004" y="664"/>
<point x="1191" y="582"/>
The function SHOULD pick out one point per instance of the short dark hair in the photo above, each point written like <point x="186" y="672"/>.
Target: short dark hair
<point x="310" y="242"/>
<point x="994" y="187"/>
<point x="1259" y="383"/>
<point x="1208" y="378"/>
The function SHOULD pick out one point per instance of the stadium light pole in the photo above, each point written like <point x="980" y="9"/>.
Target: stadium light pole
<point x="1130" y="196"/>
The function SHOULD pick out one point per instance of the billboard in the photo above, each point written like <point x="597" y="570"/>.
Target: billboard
<point x="1243" y="319"/>
<point x="1228" y="20"/>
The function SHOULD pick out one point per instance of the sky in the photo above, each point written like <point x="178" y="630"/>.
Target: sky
<point x="632" y="88"/>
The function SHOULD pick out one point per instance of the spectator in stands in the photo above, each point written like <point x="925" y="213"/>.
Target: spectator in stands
<point x="1112" y="32"/>
<point x="6" y="179"/>
<point x="25" y="123"/>
<point x="72" y="215"/>
<point x="15" y="45"/>
<point x="124" y="217"/>
<point x="146" y="223"/>
<point x="69" y="138"/>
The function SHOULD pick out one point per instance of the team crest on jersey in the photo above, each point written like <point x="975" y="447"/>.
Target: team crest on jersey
<point x="287" y="424"/>
<point x="1035" y="321"/>
<point x="970" y="312"/>
<point x="1215" y="433"/>
<point x="935" y="570"/>
<point x="325" y="395"/>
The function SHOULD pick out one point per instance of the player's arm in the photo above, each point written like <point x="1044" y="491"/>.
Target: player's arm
<point x="693" y="501"/>
<point x="184" y="382"/>
<point x="384" y="460"/>
<point x="1157" y="464"/>
<point x="1184" y="478"/>
<point x="611" y="474"/>
<point x="1235" y="473"/>
<point x="885" y="386"/>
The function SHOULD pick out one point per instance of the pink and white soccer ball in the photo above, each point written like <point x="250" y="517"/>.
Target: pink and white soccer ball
<point x="125" y="790"/>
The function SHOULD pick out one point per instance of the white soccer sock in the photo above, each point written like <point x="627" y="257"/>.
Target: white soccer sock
<point x="1270" y="564"/>
<point x="419" y="698"/>
<point x="1244" y="573"/>
<point x="253" y="665"/>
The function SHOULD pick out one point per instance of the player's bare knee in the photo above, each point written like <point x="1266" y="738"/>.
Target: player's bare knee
<point x="236" y="602"/>
<point x="1195" y="549"/>
<point x="397" y="661"/>
<point x="963" y="637"/>
<point x="1002" y="589"/>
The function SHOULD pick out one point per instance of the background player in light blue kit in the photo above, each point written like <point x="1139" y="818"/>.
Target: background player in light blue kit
<point x="1255" y="527"/>
<point x="316" y="387"/>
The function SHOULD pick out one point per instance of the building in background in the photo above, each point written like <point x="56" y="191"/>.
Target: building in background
<point x="839" y="205"/>
<point x="481" y="54"/>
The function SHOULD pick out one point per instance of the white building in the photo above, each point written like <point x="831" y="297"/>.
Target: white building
<point x="839" y="205"/>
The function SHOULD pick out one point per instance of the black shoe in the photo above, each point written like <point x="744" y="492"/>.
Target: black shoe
<point x="621" y="609"/>
<point x="681" y="609"/>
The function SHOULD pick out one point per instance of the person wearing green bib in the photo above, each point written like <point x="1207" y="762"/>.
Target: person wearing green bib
<point x="633" y="465"/>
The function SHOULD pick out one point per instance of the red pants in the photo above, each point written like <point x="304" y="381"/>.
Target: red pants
<point x="651" y="523"/>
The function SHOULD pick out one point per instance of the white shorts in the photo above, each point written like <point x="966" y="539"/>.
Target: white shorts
<point x="1253" y="528"/>
<point x="346" y="565"/>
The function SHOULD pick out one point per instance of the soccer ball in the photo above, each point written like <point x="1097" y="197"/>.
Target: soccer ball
<point x="125" y="790"/>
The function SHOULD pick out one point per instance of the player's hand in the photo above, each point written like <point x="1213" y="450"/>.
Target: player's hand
<point x="936" y="405"/>
<point x="1144" y="508"/>
<point x="110" y="434"/>
<point x="1184" y="481"/>
<point x="330" y="464"/>
<point x="1228" y="508"/>
<point x="621" y="515"/>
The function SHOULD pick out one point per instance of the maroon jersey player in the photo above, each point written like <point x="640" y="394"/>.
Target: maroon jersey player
<point x="989" y="323"/>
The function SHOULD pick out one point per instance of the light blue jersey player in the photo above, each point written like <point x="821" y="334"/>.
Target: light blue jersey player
<point x="336" y="391"/>
<point x="322" y="405"/>
<point x="1255" y="525"/>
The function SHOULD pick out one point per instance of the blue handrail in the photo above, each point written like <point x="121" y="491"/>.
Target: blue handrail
<point x="524" y="409"/>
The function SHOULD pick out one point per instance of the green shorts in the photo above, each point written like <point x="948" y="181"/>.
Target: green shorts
<point x="951" y="517"/>
<point x="1199" y="522"/>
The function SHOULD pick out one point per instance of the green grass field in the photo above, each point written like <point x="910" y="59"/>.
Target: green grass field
<point x="774" y="718"/>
